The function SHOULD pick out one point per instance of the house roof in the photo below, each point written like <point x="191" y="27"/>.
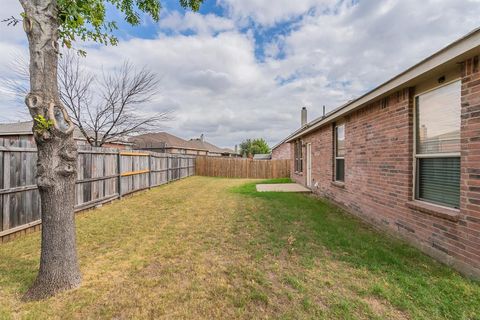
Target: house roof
<point x="456" y="52"/>
<point x="210" y="147"/>
<point x="159" y="140"/>
<point x="25" y="128"/>
<point x="16" y="128"/>
<point x="262" y="156"/>
<point x="228" y="150"/>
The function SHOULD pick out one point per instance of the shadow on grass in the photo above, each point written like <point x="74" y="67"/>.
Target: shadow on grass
<point x="402" y="275"/>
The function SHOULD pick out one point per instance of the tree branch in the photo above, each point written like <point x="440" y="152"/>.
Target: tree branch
<point x="103" y="110"/>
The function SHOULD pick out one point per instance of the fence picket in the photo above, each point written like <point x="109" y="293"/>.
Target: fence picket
<point x="103" y="174"/>
<point x="242" y="168"/>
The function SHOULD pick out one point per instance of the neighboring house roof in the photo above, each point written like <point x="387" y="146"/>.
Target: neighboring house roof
<point x="228" y="150"/>
<point x="25" y="128"/>
<point x="160" y="140"/>
<point x="262" y="156"/>
<point x="210" y="147"/>
<point x="16" y="128"/>
<point x="457" y="51"/>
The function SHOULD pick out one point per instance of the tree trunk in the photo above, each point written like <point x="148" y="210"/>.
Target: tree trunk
<point x="57" y="154"/>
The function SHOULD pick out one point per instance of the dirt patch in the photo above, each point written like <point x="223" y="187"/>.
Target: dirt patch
<point x="384" y="309"/>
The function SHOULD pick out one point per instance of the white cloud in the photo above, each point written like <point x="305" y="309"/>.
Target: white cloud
<point x="195" y="22"/>
<point x="331" y="54"/>
<point x="267" y="12"/>
<point x="365" y="44"/>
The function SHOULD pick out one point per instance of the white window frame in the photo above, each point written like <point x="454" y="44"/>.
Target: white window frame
<point x="298" y="150"/>
<point x="335" y="143"/>
<point x="430" y="155"/>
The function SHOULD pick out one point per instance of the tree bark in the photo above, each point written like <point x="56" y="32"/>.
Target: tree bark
<point x="57" y="154"/>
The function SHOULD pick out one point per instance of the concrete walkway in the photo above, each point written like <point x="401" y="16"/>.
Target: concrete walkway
<point x="282" y="187"/>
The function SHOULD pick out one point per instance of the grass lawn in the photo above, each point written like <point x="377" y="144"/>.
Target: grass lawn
<point x="209" y="248"/>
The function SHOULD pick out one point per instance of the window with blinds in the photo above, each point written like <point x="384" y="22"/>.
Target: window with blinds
<point x="438" y="145"/>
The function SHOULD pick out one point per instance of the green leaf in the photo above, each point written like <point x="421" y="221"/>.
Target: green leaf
<point x="42" y="124"/>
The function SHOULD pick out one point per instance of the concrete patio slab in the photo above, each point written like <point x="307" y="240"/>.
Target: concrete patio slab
<point x="282" y="187"/>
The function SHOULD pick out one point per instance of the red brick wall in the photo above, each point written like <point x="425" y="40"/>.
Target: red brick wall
<point x="470" y="162"/>
<point x="282" y="152"/>
<point x="378" y="183"/>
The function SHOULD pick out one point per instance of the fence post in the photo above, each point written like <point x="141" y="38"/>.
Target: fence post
<point x="119" y="169"/>
<point x="149" y="171"/>
<point x="168" y="167"/>
<point x="6" y="184"/>
<point x="180" y="165"/>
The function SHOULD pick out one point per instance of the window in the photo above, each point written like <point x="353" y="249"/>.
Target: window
<point x="437" y="154"/>
<point x="340" y="153"/>
<point x="298" y="165"/>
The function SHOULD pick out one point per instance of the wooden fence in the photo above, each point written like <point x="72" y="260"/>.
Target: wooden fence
<point x="242" y="168"/>
<point x="104" y="174"/>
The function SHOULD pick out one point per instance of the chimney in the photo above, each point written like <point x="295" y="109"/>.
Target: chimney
<point x="236" y="149"/>
<point x="304" y="116"/>
<point x="202" y="137"/>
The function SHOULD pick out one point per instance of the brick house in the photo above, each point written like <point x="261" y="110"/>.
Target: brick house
<point x="405" y="157"/>
<point x="281" y="151"/>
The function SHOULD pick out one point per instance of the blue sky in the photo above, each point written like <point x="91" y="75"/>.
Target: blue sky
<point x="149" y="29"/>
<point x="244" y="68"/>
